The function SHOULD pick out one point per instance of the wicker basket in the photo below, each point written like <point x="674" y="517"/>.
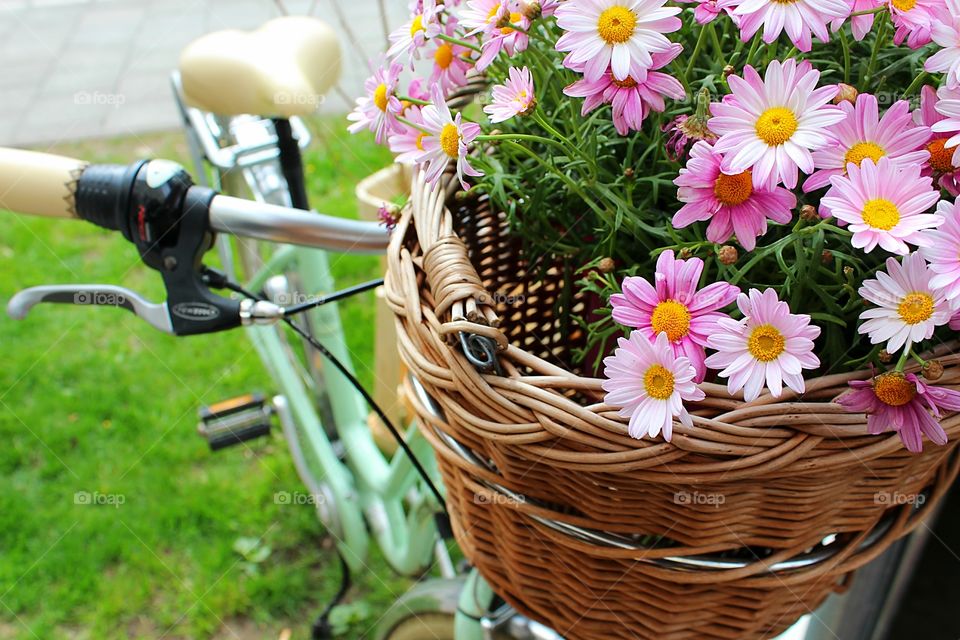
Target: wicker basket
<point x="738" y="527"/>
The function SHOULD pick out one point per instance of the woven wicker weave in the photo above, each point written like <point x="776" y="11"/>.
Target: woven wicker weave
<point x="774" y="476"/>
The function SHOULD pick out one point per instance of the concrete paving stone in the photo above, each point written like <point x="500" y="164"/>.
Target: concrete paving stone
<point x="19" y="74"/>
<point x="108" y="60"/>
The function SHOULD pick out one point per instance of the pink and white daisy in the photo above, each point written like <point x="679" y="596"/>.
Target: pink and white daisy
<point x="914" y="20"/>
<point x="772" y="125"/>
<point x="900" y="402"/>
<point x="908" y="308"/>
<point x="649" y="384"/>
<point x="884" y="205"/>
<point x="943" y="251"/>
<point x="769" y="346"/>
<point x="617" y="34"/>
<point x="631" y="99"/>
<point x="407" y="40"/>
<point x="379" y="108"/>
<point x="451" y="61"/>
<point x="407" y="140"/>
<point x="515" y="97"/>
<point x="940" y="165"/>
<point x="492" y="19"/>
<point x="946" y="33"/>
<point x="862" y="24"/>
<point x="706" y="11"/>
<point x="948" y="106"/>
<point x="729" y="202"/>
<point x="674" y="306"/>
<point x="863" y="134"/>
<point x="798" y="18"/>
<point x="447" y="139"/>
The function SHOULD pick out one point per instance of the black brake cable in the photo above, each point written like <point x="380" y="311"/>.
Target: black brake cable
<point x="232" y="286"/>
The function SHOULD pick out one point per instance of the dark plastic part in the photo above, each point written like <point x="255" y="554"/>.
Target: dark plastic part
<point x="444" y="525"/>
<point x="291" y="162"/>
<point x="103" y="194"/>
<point x="233" y="406"/>
<point x="236" y="436"/>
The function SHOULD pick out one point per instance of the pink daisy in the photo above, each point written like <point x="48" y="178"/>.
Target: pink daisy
<point x="946" y="33"/>
<point x="409" y="38"/>
<point x="514" y="97"/>
<point x="914" y="20"/>
<point x="706" y="10"/>
<point x="378" y="110"/>
<point x="770" y="345"/>
<point x="492" y="18"/>
<point x="940" y="164"/>
<point x="407" y="141"/>
<point x="948" y="106"/>
<point x="447" y="139"/>
<point x="908" y="308"/>
<point x="798" y="18"/>
<point x="900" y="402"/>
<point x="649" y="384"/>
<point x="943" y="251"/>
<point x="863" y="134"/>
<point x="674" y="306"/>
<point x="730" y="203"/>
<point x="451" y="61"/>
<point x="884" y="205"/>
<point x="632" y="99"/>
<point x="771" y="125"/>
<point x="617" y="34"/>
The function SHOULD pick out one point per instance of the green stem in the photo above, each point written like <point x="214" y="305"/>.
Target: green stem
<point x="418" y="127"/>
<point x="915" y="84"/>
<point x="421" y="103"/>
<point x="693" y="57"/>
<point x="867" y="12"/>
<point x="462" y="43"/>
<point x="881" y="36"/>
<point x="846" y="56"/>
<point x="902" y="362"/>
<point x="718" y="48"/>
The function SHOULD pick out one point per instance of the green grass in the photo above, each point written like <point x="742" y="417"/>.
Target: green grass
<point x="92" y="400"/>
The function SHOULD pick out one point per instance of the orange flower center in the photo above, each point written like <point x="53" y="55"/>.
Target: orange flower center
<point x="904" y="5"/>
<point x="672" y="318"/>
<point x="881" y="213"/>
<point x="893" y="389"/>
<point x="916" y="307"/>
<point x="941" y="158"/>
<point x="776" y="125"/>
<point x="450" y="140"/>
<point x="380" y="97"/>
<point x="766" y="343"/>
<point x="733" y="190"/>
<point x="861" y="151"/>
<point x="443" y="56"/>
<point x="658" y="382"/>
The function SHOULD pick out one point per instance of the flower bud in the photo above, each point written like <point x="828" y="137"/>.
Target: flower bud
<point x="885" y="356"/>
<point x="728" y="255"/>
<point x="606" y="265"/>
<point x="532" y="10"/>
<point x="826" y="257"/>
<point x="846" y="93"/>
<point x="728" y="71"/>
<point x="685" y="253"/>
<point x="808" y="213"/>
<point x="628" y="172"/>
<point x="933" y="370"/>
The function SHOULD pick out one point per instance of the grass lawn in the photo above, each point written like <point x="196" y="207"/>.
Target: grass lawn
<point x="93" y="400"/>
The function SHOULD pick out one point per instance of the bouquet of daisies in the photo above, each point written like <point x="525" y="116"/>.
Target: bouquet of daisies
<point x="752" y="207"/>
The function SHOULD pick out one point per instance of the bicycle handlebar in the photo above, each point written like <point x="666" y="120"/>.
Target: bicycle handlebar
<point x="172" y="222"/>
<point x="48" y="185"/>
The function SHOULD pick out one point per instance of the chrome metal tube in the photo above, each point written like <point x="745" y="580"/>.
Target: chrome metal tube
<point x="262" y="221"/>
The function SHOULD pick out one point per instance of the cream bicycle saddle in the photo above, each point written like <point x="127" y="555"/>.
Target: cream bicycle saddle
<point x="281" y="69"/>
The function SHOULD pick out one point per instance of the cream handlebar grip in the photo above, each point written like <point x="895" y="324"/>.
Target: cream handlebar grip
<point x="39" y="184"/>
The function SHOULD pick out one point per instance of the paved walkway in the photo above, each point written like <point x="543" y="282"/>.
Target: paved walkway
<point x="90" y="68"/>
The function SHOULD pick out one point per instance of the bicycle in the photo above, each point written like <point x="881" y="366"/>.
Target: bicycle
<point x="173" y="224"/>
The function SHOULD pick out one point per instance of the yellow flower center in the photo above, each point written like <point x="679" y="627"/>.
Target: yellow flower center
<point x="443" y="56"/>
<point x="420" y="140"/>
<point x="941" y="158"/>
<point x="416" y="25"/>
<point x="861" y="151"/>
<point x="733" y="190"/>
<point x="626" y="83"/>
<point x="766" y="343"/>
<point x="514" y="19"/>
<point x="380" y="97"/>
<point x="658" y="382"/>
<point x="916" y="307"/>
<point x="672" y="318"/>
<point x="893" y="389"/>
<point x="904" y="5"/>
<point x="776" y="125"/>
<point x="881" y="214"/>
<point x="616" y="24"/>
<point x="450" y="140"/>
